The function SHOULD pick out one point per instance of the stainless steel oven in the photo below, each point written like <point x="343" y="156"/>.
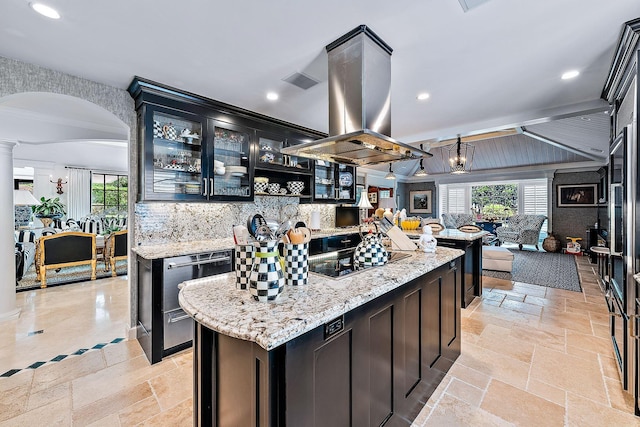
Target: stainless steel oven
<point x="178" y="325"/>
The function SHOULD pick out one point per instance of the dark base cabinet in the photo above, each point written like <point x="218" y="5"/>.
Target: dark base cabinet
<point x="471" y="279"/>
<point x="375" y="365"/>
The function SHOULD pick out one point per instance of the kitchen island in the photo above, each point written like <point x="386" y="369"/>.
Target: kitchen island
<point x="471" y="244"/>
<point x="367" y="349"/>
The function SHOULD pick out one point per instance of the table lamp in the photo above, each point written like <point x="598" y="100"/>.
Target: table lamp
<point x="364" y="205"/>
<point x="388" y="204"/>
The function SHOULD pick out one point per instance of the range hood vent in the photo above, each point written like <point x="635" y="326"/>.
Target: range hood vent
<point x="359" y="105"/>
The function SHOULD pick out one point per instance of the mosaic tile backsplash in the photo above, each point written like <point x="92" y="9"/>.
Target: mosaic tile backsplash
<point x="158" y="223"/>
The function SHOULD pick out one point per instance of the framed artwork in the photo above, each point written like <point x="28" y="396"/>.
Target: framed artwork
<point x="373" y="197"/>
<point x="420" y="202"/>
<point x="580" y="195"/>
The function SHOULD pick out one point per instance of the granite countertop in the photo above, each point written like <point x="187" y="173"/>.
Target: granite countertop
<point x="453" y="234"/>
<point x="217" y="304"/>
<point x="166" y="250"/>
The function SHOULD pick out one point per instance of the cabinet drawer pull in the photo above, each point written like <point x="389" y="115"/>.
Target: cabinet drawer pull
<point x="205" y="187"/>
<point x="178" y="318"/>
<point x="211" y="191"/>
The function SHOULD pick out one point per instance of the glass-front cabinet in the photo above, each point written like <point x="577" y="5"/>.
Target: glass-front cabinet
<point x="334" y="182"/>
<point x="270" y="156"/>
<point x="174" y="156"/>
<point x="230" y="173"/>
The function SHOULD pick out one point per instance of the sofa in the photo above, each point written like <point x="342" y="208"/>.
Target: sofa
<point x="455" y="220"/>
<point x="521" y="229"/>
<point x="25" y="251"/>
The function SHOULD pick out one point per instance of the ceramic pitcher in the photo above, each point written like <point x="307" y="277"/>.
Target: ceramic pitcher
<point x="266" y="281"/>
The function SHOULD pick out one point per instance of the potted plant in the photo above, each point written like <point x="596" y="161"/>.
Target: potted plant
<point x="48" y="210"/>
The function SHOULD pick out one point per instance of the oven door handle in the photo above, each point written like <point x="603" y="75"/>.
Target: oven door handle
<point x="192" y="263"/>
<point x="178" y="318"/>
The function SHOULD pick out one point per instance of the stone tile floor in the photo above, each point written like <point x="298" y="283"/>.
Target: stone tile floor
<point x="531" y="356"/>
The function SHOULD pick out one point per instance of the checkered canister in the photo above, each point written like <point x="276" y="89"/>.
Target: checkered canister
<point x="296" y="264"/>
<point x="157" y="129"/>
<point x="244" y="256"/>
<point x="266" y="282"/>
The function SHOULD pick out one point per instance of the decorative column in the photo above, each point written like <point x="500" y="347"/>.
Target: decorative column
<point x="8" y="308"/>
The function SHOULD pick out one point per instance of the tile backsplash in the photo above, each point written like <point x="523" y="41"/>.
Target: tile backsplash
<point x="158" y="223"/>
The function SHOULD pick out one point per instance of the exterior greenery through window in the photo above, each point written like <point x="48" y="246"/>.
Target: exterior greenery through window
<point x="494" y="201"/>
<point x="108" y="193"/>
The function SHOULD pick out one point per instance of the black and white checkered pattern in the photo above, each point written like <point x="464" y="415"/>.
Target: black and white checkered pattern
<point x="267" y="279"/>
<point x="296" y="264"/>
<point x="369" y="255"/>
<point x="157" y="129"/>
<point x="170" y="132"/>
<point x="244" y="256"/>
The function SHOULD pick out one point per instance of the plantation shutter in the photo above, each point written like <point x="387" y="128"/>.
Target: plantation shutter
<point x="456" y="200"/>
<point x="535" y="199"/>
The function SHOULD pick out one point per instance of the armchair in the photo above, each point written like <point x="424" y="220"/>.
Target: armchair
<point x="65" y="250"/>
<point x="455" y="220"/>
<point x="116" y="250"/>
<point x="521" y="229"/>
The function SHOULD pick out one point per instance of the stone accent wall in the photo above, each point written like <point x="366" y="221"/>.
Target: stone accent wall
<point x="158" y="223"/>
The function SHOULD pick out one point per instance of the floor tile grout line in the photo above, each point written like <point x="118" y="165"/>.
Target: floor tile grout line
<point x="38" y="364"/>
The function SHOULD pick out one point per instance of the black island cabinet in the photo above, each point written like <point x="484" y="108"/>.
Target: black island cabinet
<point x="377" y="364"/>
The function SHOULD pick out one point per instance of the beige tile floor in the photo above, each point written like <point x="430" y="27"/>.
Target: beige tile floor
<point x="531" y="356"/>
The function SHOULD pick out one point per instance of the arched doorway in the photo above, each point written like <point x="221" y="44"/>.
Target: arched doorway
<point x="52" y="131"/>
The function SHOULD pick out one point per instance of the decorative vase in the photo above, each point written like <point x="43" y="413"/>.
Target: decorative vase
<point x="296" y="264"/>
<point x="267" y="279"/>
<point x="551" y="244"/>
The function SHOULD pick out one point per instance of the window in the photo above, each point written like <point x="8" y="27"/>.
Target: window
<point x="108" y="193"/>
<point x="496" y="200"/>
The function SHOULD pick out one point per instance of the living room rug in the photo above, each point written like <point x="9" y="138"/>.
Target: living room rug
<point x="67" y="275"/>
<point x="541" y="268"/>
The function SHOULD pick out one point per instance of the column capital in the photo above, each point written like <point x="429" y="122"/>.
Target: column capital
<point x="6" y="146"/>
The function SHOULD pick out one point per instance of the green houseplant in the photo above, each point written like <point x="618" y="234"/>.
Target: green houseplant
<point x="49" y="208"/>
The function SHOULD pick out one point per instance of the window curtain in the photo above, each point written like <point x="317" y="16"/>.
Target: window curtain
<point x="79" y="193"/>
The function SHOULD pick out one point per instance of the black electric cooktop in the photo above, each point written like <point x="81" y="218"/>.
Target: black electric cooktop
<point x="340" y="263"/>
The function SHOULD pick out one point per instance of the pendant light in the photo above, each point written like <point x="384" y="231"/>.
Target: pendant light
<point x="390" y="175"/>
<point x="460" y="157"/>
<point x="421" y="171"/>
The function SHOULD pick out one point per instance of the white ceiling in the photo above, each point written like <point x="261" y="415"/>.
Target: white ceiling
<point x="497" y="64"/>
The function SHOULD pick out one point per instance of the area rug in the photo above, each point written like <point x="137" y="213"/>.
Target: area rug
<point x="67" y="275"/>
<point x="542" y="268"/>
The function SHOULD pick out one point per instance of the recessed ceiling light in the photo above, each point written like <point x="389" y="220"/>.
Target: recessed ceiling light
<point x="272" y="96"/>
<point x="585" y="118"/>
<point x="45" y="10"/>
<point x="570" y="74"/>
<point x="422" y="96"/>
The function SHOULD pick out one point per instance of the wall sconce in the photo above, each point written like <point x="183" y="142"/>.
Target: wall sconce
<point x="59" y="183"/>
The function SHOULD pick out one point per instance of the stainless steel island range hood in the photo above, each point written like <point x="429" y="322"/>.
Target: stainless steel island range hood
<point x="359" y="105"/>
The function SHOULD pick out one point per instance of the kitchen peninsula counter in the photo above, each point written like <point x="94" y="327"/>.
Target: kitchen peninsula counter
<point x="359" y="350"/>
<point x="217" y="304"/>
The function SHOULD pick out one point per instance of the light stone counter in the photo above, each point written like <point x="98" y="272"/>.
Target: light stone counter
<point x="452" y="234"/>
<point x="167" y="250"/>
<point x="217" y="304"/>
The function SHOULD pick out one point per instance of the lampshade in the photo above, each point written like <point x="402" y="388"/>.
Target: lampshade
<point x="421" y="171"/>
<point x="390" y="175"/>
<point x="24" y="198"/>
<point x="460" y="157"/>
<point x="388" y="202"/>
<point x="364" y="201"/>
